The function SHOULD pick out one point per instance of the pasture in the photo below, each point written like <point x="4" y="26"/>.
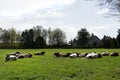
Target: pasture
<point x="49" y="67"/>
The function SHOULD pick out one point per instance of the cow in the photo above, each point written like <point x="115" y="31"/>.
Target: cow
<point x="39" y="53"/>
<point x="68" y="54"/>
<point x="105" y="53"/>
<point x="21" y="56"/>
<point x="93" y="55"/>
<point x="82" y="54"/>
<point x="57" y="54"/>
<point x="114" y="54"/>
<point x="73" y="55"/>
<point x="10" y="57"/>
<point x="28" y="55"/>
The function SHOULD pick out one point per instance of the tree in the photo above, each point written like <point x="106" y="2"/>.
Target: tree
<point x="37" y="31"/>
<point x="113" y="43"/>
<point x="83" y="37"/>
<point x="5" y="36"/>
<point x="40" y="42"/>
<point x="58" y="37"/>
<point x="18" y="37"/>
<point x="106" y="41"/>
<point x="9" y="38"/>
<point x="13" y="36"/>
<point x="74" y="42"/>
<point x="71" y="43"/>
<point x="44" y="34"/>
<point x="112" y="5"/>
<point x="30" y="38"/>
<point x="23" y="40"/>
<point x="50" y="35"/>
<point x="118" y="38"/>
<point x="27" y="39"/>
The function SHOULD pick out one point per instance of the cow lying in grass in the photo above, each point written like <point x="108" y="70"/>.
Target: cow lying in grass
<point x="93" y="55"/>
<point x="10" y="57"/>
<point x="28" y="55"/>
<point x="16" y="55"/>
<point x="105" y="53"/>
<point x="21" y="56"/>
<point x="58" y="54"/>
<point x="114" y="54"/>
<point x="40" y="53"/>
<point x="82" y="54"/>
<point x="75" y="54"/>
<point x="71" y="55"/>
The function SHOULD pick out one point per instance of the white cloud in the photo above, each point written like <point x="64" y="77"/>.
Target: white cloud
<point x="54" y="14"/>
<point x="15" y="7"/>
<point x="103" y="11"/>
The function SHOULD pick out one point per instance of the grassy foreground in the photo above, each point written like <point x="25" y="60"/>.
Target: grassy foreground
<point x="48" y="67"/>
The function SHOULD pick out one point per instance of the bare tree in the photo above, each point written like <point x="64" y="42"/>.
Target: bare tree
<point x="50" y="35"/>
<point x="59" y="37"/>
<point x="44" y="34"/>
<point x="113" y="6"/>
<point x="5" y="36"/>
<point x="13" y="35"/>
<point x="37" y="31"/>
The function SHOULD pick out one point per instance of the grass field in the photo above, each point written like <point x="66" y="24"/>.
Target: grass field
<point x="48" y="67"/>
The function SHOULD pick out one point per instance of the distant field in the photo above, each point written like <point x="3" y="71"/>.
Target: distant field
<point x="48" y="67"/>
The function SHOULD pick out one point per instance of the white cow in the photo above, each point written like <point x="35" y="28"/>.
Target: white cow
<point x="93" y="55"/>
<point x="73" y="55"/>
<point x="105" y="53"/>
<point x="10" y="57"/>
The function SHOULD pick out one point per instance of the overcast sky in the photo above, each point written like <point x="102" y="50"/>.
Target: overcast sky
<point x="68" y="15"/>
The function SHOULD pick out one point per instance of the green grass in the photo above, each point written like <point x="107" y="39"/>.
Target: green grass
<point x="48" y="67"/>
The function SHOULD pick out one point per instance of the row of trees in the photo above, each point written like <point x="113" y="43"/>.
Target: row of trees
<point x="38" y="37"/>
<point x="83" y="40"/>
<point x="9" y="38"/>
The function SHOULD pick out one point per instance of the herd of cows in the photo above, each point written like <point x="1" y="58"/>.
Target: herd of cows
<point x="87" y="55"/>
<point x="18" y="55"/>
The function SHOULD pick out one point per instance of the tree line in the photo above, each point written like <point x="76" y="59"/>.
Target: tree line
<point x="39" y="37"/>
<point x="36" y="37"/>
<point x="85" y="40"/>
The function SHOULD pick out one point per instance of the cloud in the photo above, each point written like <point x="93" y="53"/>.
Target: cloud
<point x="103" y="11"/>
<point x="15" y="7"/>
<point x="54" y="14"/>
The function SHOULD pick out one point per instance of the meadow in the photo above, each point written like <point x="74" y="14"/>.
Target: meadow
<point x="49" y="67"/>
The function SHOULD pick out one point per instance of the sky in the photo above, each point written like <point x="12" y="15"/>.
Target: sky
<point x="68" y="15"/>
